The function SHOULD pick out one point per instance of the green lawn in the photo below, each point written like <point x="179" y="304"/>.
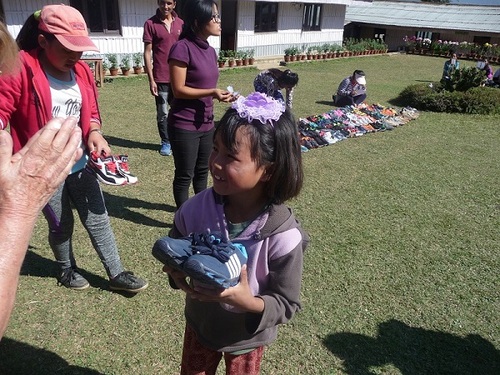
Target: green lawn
<point x="401" y="276"/>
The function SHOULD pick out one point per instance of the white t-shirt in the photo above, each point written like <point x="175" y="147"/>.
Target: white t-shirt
<point x="67" y="101"/>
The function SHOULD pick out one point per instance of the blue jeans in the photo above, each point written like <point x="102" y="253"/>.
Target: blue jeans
<point x="191" y="150"/>
<point x="343" y="101"/>
<point x="162" y="101"/>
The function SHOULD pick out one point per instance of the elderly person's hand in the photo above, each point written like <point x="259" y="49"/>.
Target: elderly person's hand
<point x="29" y="178"/>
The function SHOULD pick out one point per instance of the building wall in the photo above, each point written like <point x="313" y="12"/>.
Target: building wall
<point x="289" y="29"/>
<point x="134" y="13"/>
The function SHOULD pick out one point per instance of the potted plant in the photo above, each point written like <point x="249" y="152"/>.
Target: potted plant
<point x="112" y="60"/>
<point x="288" y="53"/>
<point x="125" y="64"/>
<point x="244" y="57"/>
<point x="238" y="57"/>
<point x="137" y="59"/>
<point x="251" y="59"/>
<point x="310" y="52"/>
<point x="230" y="54"/>
<point x="222" y="59"/>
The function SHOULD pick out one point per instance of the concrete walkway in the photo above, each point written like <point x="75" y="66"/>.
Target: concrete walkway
<point x="268" y="62"/>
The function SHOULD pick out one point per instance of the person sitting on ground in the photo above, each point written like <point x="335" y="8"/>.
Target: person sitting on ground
<point x="352" y="90"/>
<point x="485" y="66"/>
<point x="450" y="66"/>
<point x="496" y="77"/>
<point x="271" y="81"/>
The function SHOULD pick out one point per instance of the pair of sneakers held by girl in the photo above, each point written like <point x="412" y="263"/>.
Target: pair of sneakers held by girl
<point x="210" y="260"/>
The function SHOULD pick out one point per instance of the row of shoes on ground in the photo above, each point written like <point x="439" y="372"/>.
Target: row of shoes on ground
<point x="126" y="281"/>
<point x="110" y="170"/>
<point x="351" y="121"/>
<point x="208" y="259"/>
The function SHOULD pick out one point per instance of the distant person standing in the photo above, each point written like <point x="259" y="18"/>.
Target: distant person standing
<point x="160" y="32"/>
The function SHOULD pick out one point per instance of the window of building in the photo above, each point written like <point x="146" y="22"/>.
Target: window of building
<point x="101" y="16"/>
<point x="312" y="17"/>
<point x="266" y="16"/>
<point x="481" y="40"/>
<point x="424" y="34"/>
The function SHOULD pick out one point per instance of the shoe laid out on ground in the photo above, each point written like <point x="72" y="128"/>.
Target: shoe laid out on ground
<point x="127" y="282"/>
<point x="165" y="149"/>
<point x="205" y="257"/>
<point x="123" y="169"/>
<point x="110" y="170"/>
<point x="72" y="279"/>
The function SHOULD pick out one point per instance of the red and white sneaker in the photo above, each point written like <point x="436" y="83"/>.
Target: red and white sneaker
<point x="123" y="169"/>
<point x="105" y="169"/>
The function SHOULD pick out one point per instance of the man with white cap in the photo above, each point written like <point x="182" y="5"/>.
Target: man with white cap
<point x="352" y="90"/>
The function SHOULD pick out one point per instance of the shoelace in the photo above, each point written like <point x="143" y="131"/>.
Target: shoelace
<point x="123" y="164"/>
<point x="110" y="163"/>
<point x="209" y="244"/>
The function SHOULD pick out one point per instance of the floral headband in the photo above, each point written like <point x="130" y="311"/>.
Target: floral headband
<point x="258" y="106"/>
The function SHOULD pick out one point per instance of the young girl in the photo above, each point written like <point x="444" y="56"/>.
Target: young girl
<point x="256" y="166"/>
<point x="52" y="82"/>
<point x="271" y="81"/>
<point x="194" y="75"/>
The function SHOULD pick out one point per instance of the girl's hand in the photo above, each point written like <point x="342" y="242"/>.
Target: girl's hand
<point x="179" y="279"/>
<point x="223" y="96"/>
<point x="96" y="142"/>
<point x="239" y="296"/>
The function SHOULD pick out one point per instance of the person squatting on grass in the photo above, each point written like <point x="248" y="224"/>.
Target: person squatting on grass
<point x="194" y="75"/>
<point x="27" y="180"/>
<point x="271" y="81"/>
<point x="352" y="90"/>
<point x="160" y="32"/>
<point x="256" y="166"/>
<point x="52" y="82"/>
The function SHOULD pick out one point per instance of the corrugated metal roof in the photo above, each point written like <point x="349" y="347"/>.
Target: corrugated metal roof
<point x="427" y="16"/>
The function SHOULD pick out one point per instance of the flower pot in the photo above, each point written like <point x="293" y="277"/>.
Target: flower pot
<point x="244" y="62"/>
<point x="113" y="71"/>
<point x="239" y="62"/>
<point x="251" y="61"/>
<point x="231" y="63"/>
<point x="287" y="58"/>
<point x="221" y="64"/>
<point x="137" y="69"/>
<point x="125" y="71"/>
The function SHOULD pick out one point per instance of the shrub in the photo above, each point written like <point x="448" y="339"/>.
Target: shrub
<point x="477" y="100"/>
<point x="482" y="100"/>
<point x="464" y="79"/>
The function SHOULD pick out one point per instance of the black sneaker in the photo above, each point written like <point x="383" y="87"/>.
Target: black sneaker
<point x="127" y="282"/>
<point x="71" y="278"/>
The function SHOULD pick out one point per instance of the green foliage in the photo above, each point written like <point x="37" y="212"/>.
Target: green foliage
<point x="464" y="79"/>
<point x="125" y="61"/>
<point x="292" y="51"/>
<point x="112" y="59"/>
<point x="137" y="59"/>
<point x="222" y="56"/>
<point x="477" y="100"/>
